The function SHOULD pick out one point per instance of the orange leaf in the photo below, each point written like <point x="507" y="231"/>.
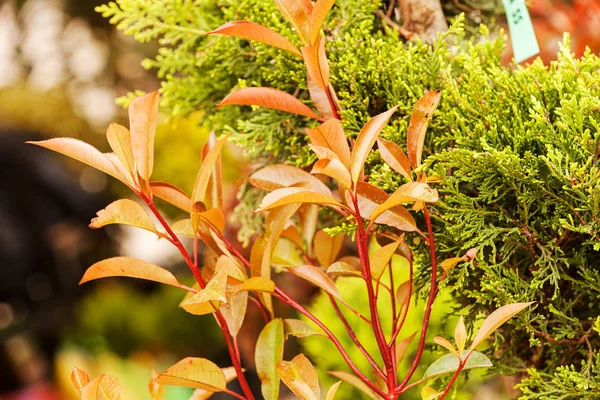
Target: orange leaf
<point x="301" y="377"/>
<point x="418" y="125"/>
<point x="157" y="391"/>
<point x="365" y="141"/>
<point x="295" y="195"/>
<point x="334" y="169"/>
<point x="172" y="194"/>
<point x="393" y="155"/>
<point x="205" y="173"/>
<point x="333" y="390"/>
<point x="319" y="98"/>
<point x="316" y="63"/>
<point x="326" y="247"/>
<point x="341" y="268"/>
<point x="402" y="347"/>
<point x="318" y="278"/>
<point x="124" y="212"/>
<point x="207" y="300"/>
<point x="129" y="267"/>
<point x="194" y="372"/>
<point x="119" y="139"/>
<point x="234" y="312"/>
<point x="441" y="341"/>
<point x="214" y="196"/>
<point x="409" y="192"/>
<point x="331" y="136"/>
<point x="381" y="258"/>
<point x="104" y="387"/>
<point x="252" y="31"/>
<point x="496" y="319"/>
<point x="79" y="379"/>
<point x="298" y="328"/>
<point x="201" y="394"/>
<point x="143" y="118"/>
<point x="278" y="176"/>
<point x="298" y="13"/>
<point x="460" y="335"/>
<point x="269" y="98"/>
<point x="317" y="18"/>
<point x="82" y="152"/>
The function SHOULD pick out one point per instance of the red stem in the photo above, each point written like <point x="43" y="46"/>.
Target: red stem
<point x="229" y="341"/>
<point x="461" y="365"/>
<point x="291" y="302"/>
<point x="395" y="318"/>
<point x="430" y="300"/>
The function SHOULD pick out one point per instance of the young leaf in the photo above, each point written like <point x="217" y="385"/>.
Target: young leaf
<point x="460" y="334"/>
<point x="409" y="192"/>
<point x="213" y="197"/>
<point x="316" y="63"/>
<point x="157" y="391"/>
<point x="331" y="135"/>
<point x="82" y="152"/>
<point x="402" y="293"/>
<point x="206" y="171"/>
<point x="269" y="98"/>
<point x="279" y="176"/>
<point x="214" y="217"/>
<point x="381" y="258"/>
<point x="252" y="31"/>
<point x="441" y="341"/>
<point x="269" y="352"/>
<point x="333" y="390"/>
<point x="429" y="393"/>
<point x="327" y="247"/>
<point x="318" y="278"/>
<point x="172" y="194"/>
<point x="234" y="312"/>
<point x="365" y="141"/>
<point x="119" y="139"/>
<point x="448" y="264"/>
<point x="298" y="13"/>
<point x="193" y="372"/>
<point x="125" y="212"/>
<point x="104" y="387"/>
<point x="320" y="98"/>
<point x="129" y="267"/>
<point x="402" y="347"/>
<point x="496" y="319"/>
<point x="143" y="118"/>
<point x="207" y="300"/>
<point x="201" y="394"/>
<point x="256" y="284"/>
<point x="357" y="383"/>
<point x="300" y="376"/>
<point x="234" y="270"/>
<point x="317" y="18"/>
<point x="294" y="195"/>
<point x="370" y="197"/>
<point x="298" y="328"/>
<point x="334" y="169"/>
<point x="393" y="155"/>
<point x="341" y="268"/>
<point x="418" y="125"/>
<point x="449" y="363"/>
<point x="79" y="379"/>
<point x="308" y="216"/>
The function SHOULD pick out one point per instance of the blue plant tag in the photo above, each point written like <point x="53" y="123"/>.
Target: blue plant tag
<point x="524" y="42"/>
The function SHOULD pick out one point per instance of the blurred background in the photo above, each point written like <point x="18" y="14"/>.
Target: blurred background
<point x="61" y="67"/>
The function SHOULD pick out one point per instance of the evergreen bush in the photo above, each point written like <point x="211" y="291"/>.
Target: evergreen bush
<point x="518" y="148"/>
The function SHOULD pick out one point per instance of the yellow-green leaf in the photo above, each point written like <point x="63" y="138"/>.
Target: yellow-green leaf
<point x="269" y="352"/>
<point x="319" y="13"/>
<point x="365" y="141"/>
<point x="172" y="194"/>
<point x="409" y="192"/>
<point x="269" y="98"/>
<point x="393" y="155"/>
<point x="300" y="376"/>
<point x="124" y="212"/>
<point x="252" y="31"/>
<point x="298" y="328"/>
<point x="79" y="379"/>
<point x="496" y="319"/>
<point x="104" y="387"/>
<point x="429" y="393"/>
<point x="381" y="258"/>
<point x="143" y="118"/>
<point x="193" y="372"/>
<point x="460" y="334"/>
<point x="129" y="267"/>
<point x="208" y="300"/>
<point x="295" y="195"/>
<point x="417" y="127"/>
<point x="357" y="383"/>
<point x="333" y="390"/>
<point x="330" y="135"/>
<point x="449" y="363"/>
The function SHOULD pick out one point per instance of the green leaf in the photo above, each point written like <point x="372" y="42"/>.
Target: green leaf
<point x="192" y="372"/>
<point x="449" y="363"/>
<point x="269" y="352"/>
